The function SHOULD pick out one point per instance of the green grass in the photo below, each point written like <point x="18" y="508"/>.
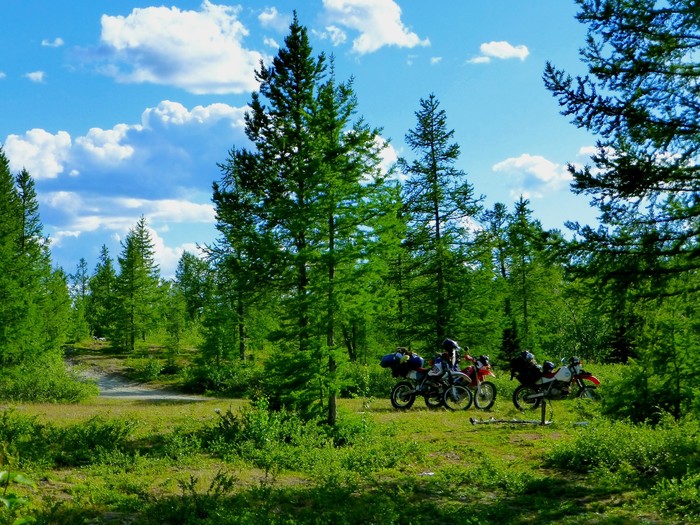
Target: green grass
<point x="227" y="462"/>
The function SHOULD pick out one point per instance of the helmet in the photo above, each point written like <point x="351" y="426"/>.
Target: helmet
<point x="547" y="367"/>
<point x="448" y="345"/>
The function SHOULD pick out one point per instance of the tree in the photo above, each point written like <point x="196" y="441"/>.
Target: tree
<point x="439" y="203"/>
<point x="32" y="295"/>
<point x="137" y="288"/>
<point x="300" y="206"/>
<point x="79" y="292"/>
<point x="640" y="97"/>
<point x="101" y="299"/>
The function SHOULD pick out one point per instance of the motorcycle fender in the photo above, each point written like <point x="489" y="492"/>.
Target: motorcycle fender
<point x="593" y="379"/>
<point x="461" y="376"/>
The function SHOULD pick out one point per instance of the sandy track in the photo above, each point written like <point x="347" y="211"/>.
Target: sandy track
<point x="117" y="386"/>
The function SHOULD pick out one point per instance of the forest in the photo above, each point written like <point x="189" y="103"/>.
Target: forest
<point x="324" y="262"/>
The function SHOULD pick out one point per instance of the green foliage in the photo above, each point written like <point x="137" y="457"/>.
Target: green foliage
<point x="47" y="381"/>
<point x="669" y="450"/>
<point x="86" y="442"/>
<point x="12" y="503"/>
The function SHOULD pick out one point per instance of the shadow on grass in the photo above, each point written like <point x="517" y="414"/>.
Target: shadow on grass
<point x="415" y="500"/>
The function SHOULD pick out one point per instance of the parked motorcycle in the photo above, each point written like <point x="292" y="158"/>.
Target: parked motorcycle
<point x="544" y="382"/>
<point x="484" y="392"/>
<point x="439" y="385"/>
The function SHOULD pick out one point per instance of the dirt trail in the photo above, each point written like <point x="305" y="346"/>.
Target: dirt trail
<point x="117" y="386"/>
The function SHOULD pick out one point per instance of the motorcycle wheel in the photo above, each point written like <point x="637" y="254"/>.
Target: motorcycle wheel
<point x="589" y="392"/>
<point x="433" y="396"/>
<point x="485" y="395"/>
<point x="403" y="396"/>
<point x="520" y="398"/>
<point x="457" y="397"/>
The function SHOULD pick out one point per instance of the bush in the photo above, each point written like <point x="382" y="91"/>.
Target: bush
<point x="240" y="381"/>
<point x="47" y="381"/>
<point x="664" y="451"/>
<point x="86" y="442"/>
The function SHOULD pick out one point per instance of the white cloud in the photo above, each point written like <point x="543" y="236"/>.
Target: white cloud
<point x="2" y="74"/>
<point x="533" y="175"/>
<point x="501" y="50"/>
<point x="56" y="42"/>
<point x="199" y="51"/>
<point x="435" y="60"/>
<point x="106" y="146"/>
<point x="41" y="153"/>
<point x="36" y="76"/>
<point x="333" y="33"/>
<point x="272" y="18"/>
<point x="378" y="22"/>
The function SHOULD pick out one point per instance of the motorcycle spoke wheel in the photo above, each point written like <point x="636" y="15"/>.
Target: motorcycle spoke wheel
<point x="590" y="393"/>
<point x="433" y="397"/>
<point x="457" y="397"/>
<point x="485" y="395"/>
<point x="403" y="396"/>
<point x="522" y="400"/>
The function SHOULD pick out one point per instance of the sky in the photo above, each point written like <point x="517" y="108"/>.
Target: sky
<point x="123" y="109"/>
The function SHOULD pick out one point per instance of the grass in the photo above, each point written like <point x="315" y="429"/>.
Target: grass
<point x="223" y="461"/>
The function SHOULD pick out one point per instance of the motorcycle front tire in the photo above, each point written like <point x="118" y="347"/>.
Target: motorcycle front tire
<point x="432" y="396"/>
<point x="520" y="395"/>
<point x="589" y="392"/>
<point x="403" y="395"/>
<point x="485" y="395"/>
<point x="457" y="397"/>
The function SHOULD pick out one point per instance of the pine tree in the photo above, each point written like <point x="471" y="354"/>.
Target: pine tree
<point x="137" y="288"/>
<point x="101" y="299"/>
<point x="300" y="208"/>
<point x="13" y="308"/>
<point x="439" y="202"/>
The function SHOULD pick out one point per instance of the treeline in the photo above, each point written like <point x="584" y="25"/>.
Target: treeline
<point x="324" y="261"/>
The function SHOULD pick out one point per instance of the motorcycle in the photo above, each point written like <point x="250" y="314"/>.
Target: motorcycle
<point x="544" y="382"/>
<point x="440" y="385"/>
<point x="484" y="392"/>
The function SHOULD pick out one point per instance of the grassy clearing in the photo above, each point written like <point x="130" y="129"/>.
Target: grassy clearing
<point x="228" y="462"/>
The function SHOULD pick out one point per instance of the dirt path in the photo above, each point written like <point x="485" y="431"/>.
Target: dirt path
<point x="117" y="386"/>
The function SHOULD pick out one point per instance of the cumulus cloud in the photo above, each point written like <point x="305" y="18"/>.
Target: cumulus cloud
<point x="41" y="153"/>
<point x="533" y="176"/>
<point x="2" y="74"/>
<point x="378" y="22"/>
<point x="501" y="50"/>
<point x="56" y="42"/>
<point x="93" y="188"/>
<point x="199" y="51"/>
<point x="36" y="76"/>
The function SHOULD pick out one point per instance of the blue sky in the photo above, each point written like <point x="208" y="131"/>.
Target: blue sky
<point x="123" y="109"/>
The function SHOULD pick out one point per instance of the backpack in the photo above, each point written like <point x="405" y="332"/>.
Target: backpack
<point x="525" y="369"/>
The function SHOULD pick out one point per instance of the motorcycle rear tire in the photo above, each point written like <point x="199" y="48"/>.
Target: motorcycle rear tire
<point x="485" y="395"/>
<point x="525" y="404"/>
<point x="457" y="397"/>
<point x="403" y="395"/>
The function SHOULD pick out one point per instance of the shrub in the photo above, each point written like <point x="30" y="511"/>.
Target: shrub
<point x="666" y="450"/>
<point x="86" y="442"/>
<point x="47" y="381"/>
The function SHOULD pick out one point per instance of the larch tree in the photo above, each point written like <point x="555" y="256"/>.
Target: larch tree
<point x="137" y="288"/>
<point x="306" y="189"/>
<point x="439" y="204"/>
<point x="101" y="299"/>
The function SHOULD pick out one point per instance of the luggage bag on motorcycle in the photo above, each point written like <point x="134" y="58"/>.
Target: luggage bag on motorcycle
<point x="400" y="364"/>
<point x="525" y="369"/>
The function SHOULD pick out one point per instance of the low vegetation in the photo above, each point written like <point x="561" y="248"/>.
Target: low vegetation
<point x="227" y="461"/>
